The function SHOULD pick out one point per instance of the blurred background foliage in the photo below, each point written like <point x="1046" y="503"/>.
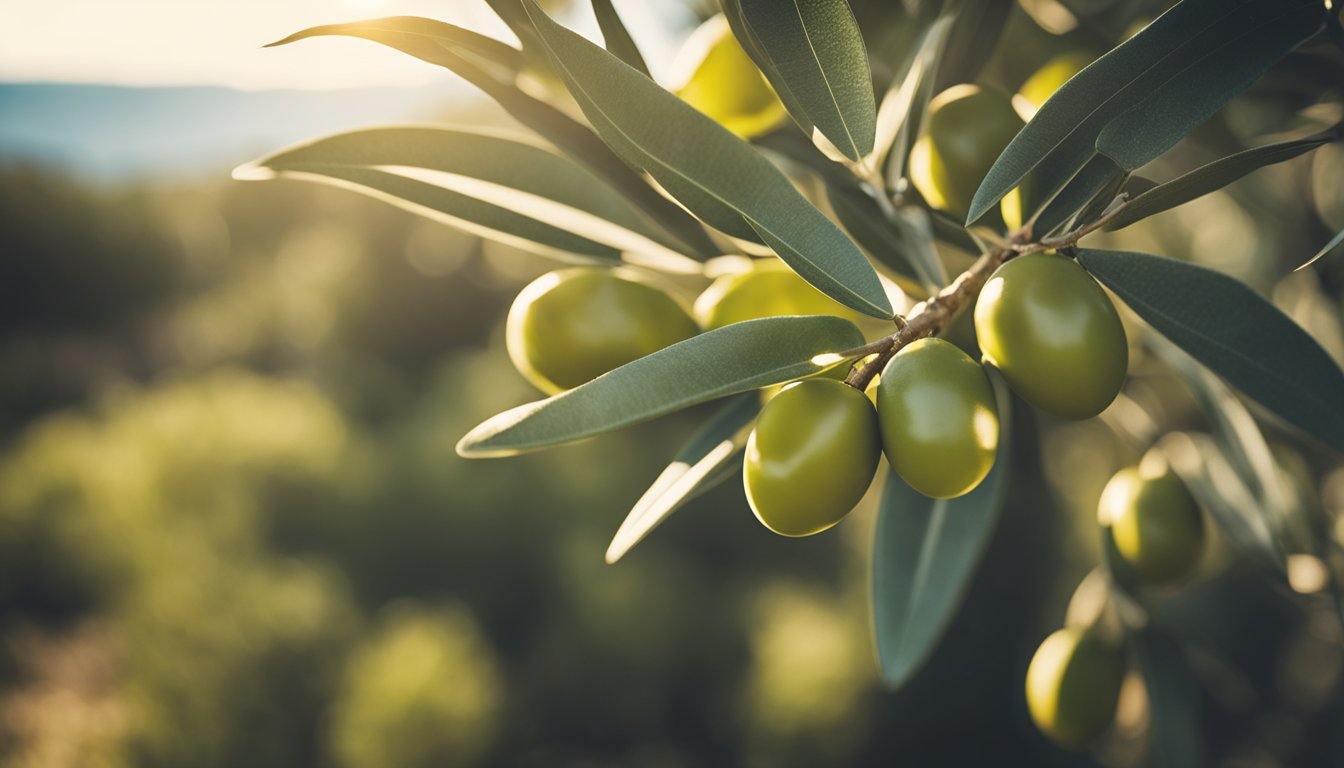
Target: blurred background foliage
<point x="233" y="530"/>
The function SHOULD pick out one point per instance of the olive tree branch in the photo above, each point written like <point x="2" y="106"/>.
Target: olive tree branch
<point x="933" y="314"/>
<point x="1071" y="238"/>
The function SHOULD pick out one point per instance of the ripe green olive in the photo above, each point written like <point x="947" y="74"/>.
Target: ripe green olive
<point x="811" y="457"/>
<point x="573" y="325"/>
<point x="768" y="289"/>
<point x="716" y="76"/>
<point x="1073" y="684"/>
<point x="940" y="425"/>
<point x="1054" y="334"/>
<point x="969" y="125"/>
<point x="1155" y="523"/>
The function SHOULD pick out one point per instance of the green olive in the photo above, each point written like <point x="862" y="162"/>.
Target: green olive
<point x="1073" y="684"/>
<point x="571" y="326"/>
<point x="1054" y="334"/>
<point x="940" y="425"/>
<point x="768" y="289"/>
<point x="811" y="457"/>
<point x="969" y="126"/>
<point x="717" y="77"/>
<point x="1155" y="523"/>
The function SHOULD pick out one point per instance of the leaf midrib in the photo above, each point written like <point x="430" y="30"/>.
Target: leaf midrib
<point x="835" y="102"/>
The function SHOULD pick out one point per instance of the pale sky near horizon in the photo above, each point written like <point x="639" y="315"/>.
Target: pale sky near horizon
<point x="218" y="42"/>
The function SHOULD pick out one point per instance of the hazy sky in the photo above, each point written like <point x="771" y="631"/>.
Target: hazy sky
<point x="218" y="42"/>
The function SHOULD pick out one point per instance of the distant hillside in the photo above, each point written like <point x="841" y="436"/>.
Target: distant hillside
<point x="115" y="133"/>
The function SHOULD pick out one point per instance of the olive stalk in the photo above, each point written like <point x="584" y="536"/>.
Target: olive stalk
<point x="932" y="315"/>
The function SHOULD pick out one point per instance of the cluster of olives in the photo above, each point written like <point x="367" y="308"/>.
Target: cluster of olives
<point x="1156" y="535"/>
<point x="1041" y="320"/>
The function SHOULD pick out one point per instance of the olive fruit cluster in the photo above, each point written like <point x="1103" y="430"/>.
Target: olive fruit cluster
<point x="1041" y="320"/>
<point x="1156" y="529"/>
<point x="817" y="443"/>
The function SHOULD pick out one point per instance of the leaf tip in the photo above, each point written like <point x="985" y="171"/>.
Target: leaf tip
<point x="284" y="40"/>
<point x="469" y="447"/>
<point x="253" y="171"/>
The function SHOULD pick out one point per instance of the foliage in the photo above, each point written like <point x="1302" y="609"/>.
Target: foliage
<point x="204" y="518"/>
<point x="1066" y="171"/>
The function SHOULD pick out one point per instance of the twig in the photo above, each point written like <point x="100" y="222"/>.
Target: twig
<point x="1071" y="238"/>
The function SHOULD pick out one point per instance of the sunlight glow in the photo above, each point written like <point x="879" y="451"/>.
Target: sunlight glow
<point x="213" y="42"/>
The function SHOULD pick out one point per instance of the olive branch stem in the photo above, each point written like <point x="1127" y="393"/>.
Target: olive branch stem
<point x="933" y="314"/>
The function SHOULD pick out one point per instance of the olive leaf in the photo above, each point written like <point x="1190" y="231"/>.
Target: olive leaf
<point x="493" y="67"/>
<point x="925" y="552"/>
<point x="736" y="358"/>
<point x="1236" y="333"/>
<point x="901" y="114"/>
<point x="616" y="36"/>
<point x="972" y="39"/>
<point x="1222" y="491"/>
<point x="1173" y="696"/>
<point x="1330" y="246"/>
<point x="706" y="459"/>
<point x="816" y="53"/>
<point x="1172" y="110"/>
<point x="422" y="38"/>
<point x="746" y="37"/>
<point x="715" y="174"/>
<point x="1235" y="430"/>
<point x="506" y="187"/>
<point x="1213" y="176"/>
<point x="1062" y="137"/>
<point x="1093" y="182"/>
<point x="904" y="243"/>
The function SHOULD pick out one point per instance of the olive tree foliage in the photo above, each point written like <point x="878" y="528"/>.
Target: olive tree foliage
<point x="619" y="171"/>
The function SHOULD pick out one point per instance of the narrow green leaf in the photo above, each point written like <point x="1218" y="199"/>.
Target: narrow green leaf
<point x="925" y="553"/>
<point x="505" y="187"/>
<point x="617" y="37"/>
<point x="1097" y="177"/>
<point x="715" y="446"/>
<point x="1330" y="246"/>
<point x="817" y="52"/>
<point x="422" y="36"/>
<point x="1173" y="695"/>
<point x="716" y="174"/>
<point x="904" y="244"/>
<point x="464" y="53"/>
<point x="1236" y="333"/>
<point x="1222" y="491"/>
<point x="1238" y="436"/>
<point x="902" y="112"/>
<point x="1211" y="177"/>
<point x="972" y="40"/>
<point x="718" y="363"/>
<point x="746" y="37"/>
<point x="1165" y="116"/>
<point x="512" y="13"/>
<point x="455" y="209"/>
<point x="1061" y="138"/>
